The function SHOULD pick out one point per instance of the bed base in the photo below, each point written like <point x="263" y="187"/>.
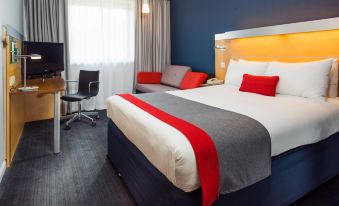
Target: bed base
<point x="294" y="174"/>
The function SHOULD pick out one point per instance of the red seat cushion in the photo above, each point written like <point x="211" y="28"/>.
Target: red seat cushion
<point x="265" y="85"/>
<point x="193" y="80"/>
<point x="149" y="77"/>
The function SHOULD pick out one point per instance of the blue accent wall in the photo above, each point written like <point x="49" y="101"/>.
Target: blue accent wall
<point x="194" y="23"/>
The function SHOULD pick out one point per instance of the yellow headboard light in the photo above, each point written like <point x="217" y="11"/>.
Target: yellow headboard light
<point x="289" y="47"/>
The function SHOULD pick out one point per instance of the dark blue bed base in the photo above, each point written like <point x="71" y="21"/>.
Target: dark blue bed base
<point x="294" y="174"/>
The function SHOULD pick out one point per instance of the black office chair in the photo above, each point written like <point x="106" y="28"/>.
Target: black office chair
<point x="88" y="86"/>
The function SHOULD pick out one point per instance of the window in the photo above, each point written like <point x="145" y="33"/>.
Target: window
<point x="101" y="31"/>
<point x="101" y="37"/>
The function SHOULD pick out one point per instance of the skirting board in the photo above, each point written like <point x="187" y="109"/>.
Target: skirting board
<point x="2" y="169"/>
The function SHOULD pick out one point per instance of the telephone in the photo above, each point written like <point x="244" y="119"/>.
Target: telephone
<point x="215" y="81"/>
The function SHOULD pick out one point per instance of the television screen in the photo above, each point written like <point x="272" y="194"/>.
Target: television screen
<point x="52" y="57"/>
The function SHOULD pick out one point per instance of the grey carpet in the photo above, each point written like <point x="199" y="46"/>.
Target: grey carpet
<point x="80" y="174"/>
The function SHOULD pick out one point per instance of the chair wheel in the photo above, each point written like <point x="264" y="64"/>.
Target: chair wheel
<point x="97" y="117"/>
<point x="93" y="124"/>
<point x="67" y="127"/>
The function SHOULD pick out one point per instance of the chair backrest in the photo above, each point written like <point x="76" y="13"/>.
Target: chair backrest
<point x="85" y="77"/>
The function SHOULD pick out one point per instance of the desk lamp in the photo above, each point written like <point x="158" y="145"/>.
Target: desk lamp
<point x="24" y="57"/>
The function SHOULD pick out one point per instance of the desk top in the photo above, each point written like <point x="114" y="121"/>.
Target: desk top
<point x="51" y="85"/>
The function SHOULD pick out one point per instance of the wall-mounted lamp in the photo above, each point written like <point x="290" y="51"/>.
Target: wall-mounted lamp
<point x="145" y="7"/>
<point x="24" y="57"/>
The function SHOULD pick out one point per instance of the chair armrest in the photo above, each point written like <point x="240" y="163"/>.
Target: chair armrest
<point x="149" y="77"/>
<point x="90" y="85"/>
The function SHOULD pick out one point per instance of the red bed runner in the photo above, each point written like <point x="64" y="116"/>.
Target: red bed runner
<point x="202" y="144"/>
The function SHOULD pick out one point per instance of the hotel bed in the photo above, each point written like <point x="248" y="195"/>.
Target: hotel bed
<point x="267" y="151"/>
<point x="158" y="163"/>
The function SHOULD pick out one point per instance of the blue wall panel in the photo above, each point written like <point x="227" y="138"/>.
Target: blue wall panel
<point x="194" y="23"/>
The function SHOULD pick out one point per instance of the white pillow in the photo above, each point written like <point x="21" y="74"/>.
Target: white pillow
<point x="333" y="78"/>
<point x="307" y="79"/>
<point x="236" y="70"/>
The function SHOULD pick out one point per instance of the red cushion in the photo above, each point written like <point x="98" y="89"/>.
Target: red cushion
<point x="149" y="77"/>
<point x="265" y="85"/>
<point x="193" y="80"/>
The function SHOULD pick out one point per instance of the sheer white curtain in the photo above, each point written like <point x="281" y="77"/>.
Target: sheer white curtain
<point x="101" y="37"/>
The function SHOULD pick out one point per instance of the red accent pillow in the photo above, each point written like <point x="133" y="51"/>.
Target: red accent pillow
<point x="149" y="77"/>
<point x="193" y="80"/>
<point x="265" y="85"/>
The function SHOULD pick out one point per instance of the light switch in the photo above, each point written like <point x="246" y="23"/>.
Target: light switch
<point x="222" y="65"/>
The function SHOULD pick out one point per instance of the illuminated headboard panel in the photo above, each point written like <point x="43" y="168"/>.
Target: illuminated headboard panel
<point x="285" y="45"/>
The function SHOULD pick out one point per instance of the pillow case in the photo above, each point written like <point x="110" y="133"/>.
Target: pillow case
<point x="236" y="70"/>
<point x="307" y="79"/>
<point x="265" y="85"/>
<point x="193" y="80"/>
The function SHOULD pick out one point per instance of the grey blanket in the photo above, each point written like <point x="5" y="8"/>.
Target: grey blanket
<point x="242" y="143"/>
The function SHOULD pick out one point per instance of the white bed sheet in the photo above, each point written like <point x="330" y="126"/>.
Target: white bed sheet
<point x="291" y="122"/>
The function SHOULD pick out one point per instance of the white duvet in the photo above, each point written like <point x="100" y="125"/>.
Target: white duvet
<point x="291" y="122"/>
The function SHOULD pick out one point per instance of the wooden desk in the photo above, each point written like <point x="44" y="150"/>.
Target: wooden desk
<point x="50" y="86"/>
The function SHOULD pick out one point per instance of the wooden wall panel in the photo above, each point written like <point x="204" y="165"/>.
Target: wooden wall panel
<point x="14" y="106"/>
<point x="221" y="56"/>
<point x="17" y="119"/>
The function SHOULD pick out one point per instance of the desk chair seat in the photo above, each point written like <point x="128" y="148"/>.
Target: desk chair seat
<point x="75" y="97"/>
<point x="88" y="87"/>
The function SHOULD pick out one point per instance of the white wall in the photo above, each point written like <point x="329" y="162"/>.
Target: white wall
<point x="10" y="14"/>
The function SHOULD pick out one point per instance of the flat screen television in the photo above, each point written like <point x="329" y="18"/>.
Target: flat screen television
<point x="52" y="58"/>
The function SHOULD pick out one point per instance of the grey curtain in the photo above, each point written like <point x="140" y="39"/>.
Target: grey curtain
<point x="153" y="40"/>
<point x="46" y="21"/>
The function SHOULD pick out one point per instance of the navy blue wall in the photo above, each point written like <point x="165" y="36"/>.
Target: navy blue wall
<point x="194" y="23"/>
